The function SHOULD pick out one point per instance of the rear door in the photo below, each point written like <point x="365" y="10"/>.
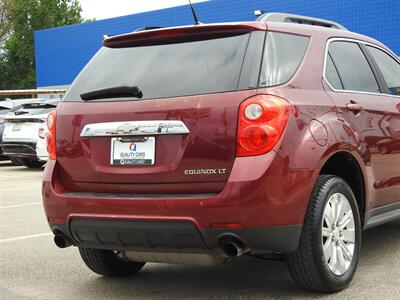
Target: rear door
<point x="389" y="69"/>
<point x="181" y="129"/>
<point x="359" y="93"/>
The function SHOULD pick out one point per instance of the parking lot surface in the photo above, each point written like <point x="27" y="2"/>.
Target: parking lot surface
<point x="32" y="267"/>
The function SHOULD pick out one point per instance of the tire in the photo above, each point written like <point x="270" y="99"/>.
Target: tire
<point x="107" y="263"/>
<point x="32" y="164"/>
<point x="16" y="161"/>
<point x="309" y="265"/>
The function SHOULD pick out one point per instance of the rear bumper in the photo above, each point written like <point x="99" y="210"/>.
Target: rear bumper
<point x="41" y="151"/>
<point x="174" y="237"/>
<point x="17" y="149"/>
<point x="266" y="198"/>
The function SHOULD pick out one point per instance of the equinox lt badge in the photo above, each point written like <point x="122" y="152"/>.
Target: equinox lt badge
<point x="205" y="171"/>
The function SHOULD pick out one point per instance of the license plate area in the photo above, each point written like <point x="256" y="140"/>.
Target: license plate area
<point x="16" y="127"/>
<point x="133" y="151"/>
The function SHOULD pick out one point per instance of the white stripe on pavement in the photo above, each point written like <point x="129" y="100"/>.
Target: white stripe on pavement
<point x="25" y="237"/>
<point x="20" y="205"/>
<point x="19" y="188"/>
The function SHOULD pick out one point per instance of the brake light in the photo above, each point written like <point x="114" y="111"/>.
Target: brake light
<point x="51" y="136"/>
<point x="262" y="120"/>
<point x="41" y="133"/>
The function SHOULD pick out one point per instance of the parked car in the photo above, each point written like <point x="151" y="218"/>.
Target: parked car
<point x="7" y="107"/>
<point x="41" y="145"/>
<point x="199" y="144"/>
<point x="22" y="132"/>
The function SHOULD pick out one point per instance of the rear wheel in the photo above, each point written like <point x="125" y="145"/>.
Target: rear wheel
<point x="32" y="164"/>
<point x="109" y="263"/>
<point x="16" y="161"/>
<point x="327" y="257"/>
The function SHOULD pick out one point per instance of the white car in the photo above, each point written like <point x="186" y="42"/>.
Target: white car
<point x="8" y="107"/>
<point x="25" y="131"/>
<point x="41" y="145"/>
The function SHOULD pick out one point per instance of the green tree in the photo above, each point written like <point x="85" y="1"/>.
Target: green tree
<point x="4" y="20"/>
<point x="21" y="19"/>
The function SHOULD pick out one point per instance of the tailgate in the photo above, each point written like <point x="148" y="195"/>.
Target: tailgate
<point x="156" y="110"/>
<point x="205" y="152"/>
<point x="22" y="130"/>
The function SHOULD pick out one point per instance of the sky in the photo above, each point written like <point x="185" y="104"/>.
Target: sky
<point x="103" y="9"/>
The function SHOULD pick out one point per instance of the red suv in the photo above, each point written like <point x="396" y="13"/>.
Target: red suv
<point x="199" y="144"/>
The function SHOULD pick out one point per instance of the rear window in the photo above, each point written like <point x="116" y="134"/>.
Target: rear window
<point x="353" y="68"/>
<point x="168" y="70"/>
<point x="283" y="54"/>
<point x="35" y="108"/>
<point x="332" y="74"/>
<point x="389" y="67"/>
<point x="39" y="105"/>
<point x="41" y="111"/>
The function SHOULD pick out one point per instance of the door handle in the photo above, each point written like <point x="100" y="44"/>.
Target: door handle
<point x="354" y="107"/>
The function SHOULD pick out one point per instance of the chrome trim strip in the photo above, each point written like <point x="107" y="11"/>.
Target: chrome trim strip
<point x="361" y="42"/>
<point x="134" y="128"/>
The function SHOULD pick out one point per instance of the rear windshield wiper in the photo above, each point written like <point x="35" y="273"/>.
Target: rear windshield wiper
<point x="113" y="92"/>
<point x="17" y="113"/>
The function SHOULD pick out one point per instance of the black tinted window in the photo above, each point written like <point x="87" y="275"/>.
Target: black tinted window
<point x="168" y="70"/>
<point x="282" y="56"/>
<point x="332" y="75"/>
<point x="389" y="67"/>
<point x="354" y="69"/>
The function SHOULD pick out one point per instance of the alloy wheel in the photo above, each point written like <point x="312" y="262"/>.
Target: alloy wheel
<point x="338" y="234"/>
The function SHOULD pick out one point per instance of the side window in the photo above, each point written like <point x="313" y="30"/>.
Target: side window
<point x="283" y="54"/>
<point x="332" y="75"/>
<point x="353" y="68"/>
<point x="389" y="67"/>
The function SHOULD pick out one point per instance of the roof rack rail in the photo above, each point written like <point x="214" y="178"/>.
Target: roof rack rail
<point x="148" y="28"/>
<point x="290" y="18"/>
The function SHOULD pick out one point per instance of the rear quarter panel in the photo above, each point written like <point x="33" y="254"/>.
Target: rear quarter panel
<point x="314" y="133"/>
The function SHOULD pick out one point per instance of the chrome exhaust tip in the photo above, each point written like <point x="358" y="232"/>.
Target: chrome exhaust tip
<point x="233" y="247"/>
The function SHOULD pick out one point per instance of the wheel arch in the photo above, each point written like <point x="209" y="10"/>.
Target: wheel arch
<point x="348" y="165"/>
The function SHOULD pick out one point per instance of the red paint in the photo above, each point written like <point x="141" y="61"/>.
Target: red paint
<point x="270" y="189"/>
<point x="151" y="36"/>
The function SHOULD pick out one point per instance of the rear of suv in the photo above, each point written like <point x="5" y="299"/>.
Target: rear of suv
<point x="203" y="143"/>
<point x="23" y="131"/>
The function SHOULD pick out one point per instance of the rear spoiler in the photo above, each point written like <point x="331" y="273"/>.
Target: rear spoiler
<point x="5" y="106"/>
<point x="148" y="37"/>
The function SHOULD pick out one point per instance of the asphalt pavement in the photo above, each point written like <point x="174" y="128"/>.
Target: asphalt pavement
<point x="32" y="267"/>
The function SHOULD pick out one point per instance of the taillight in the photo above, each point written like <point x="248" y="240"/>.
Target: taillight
<point x="262" y="120"/>
<point x="51" y="137"/>
<point x="41" y="133"/>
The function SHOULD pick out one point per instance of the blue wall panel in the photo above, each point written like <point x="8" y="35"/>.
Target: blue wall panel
<point x="62" y="52"/>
